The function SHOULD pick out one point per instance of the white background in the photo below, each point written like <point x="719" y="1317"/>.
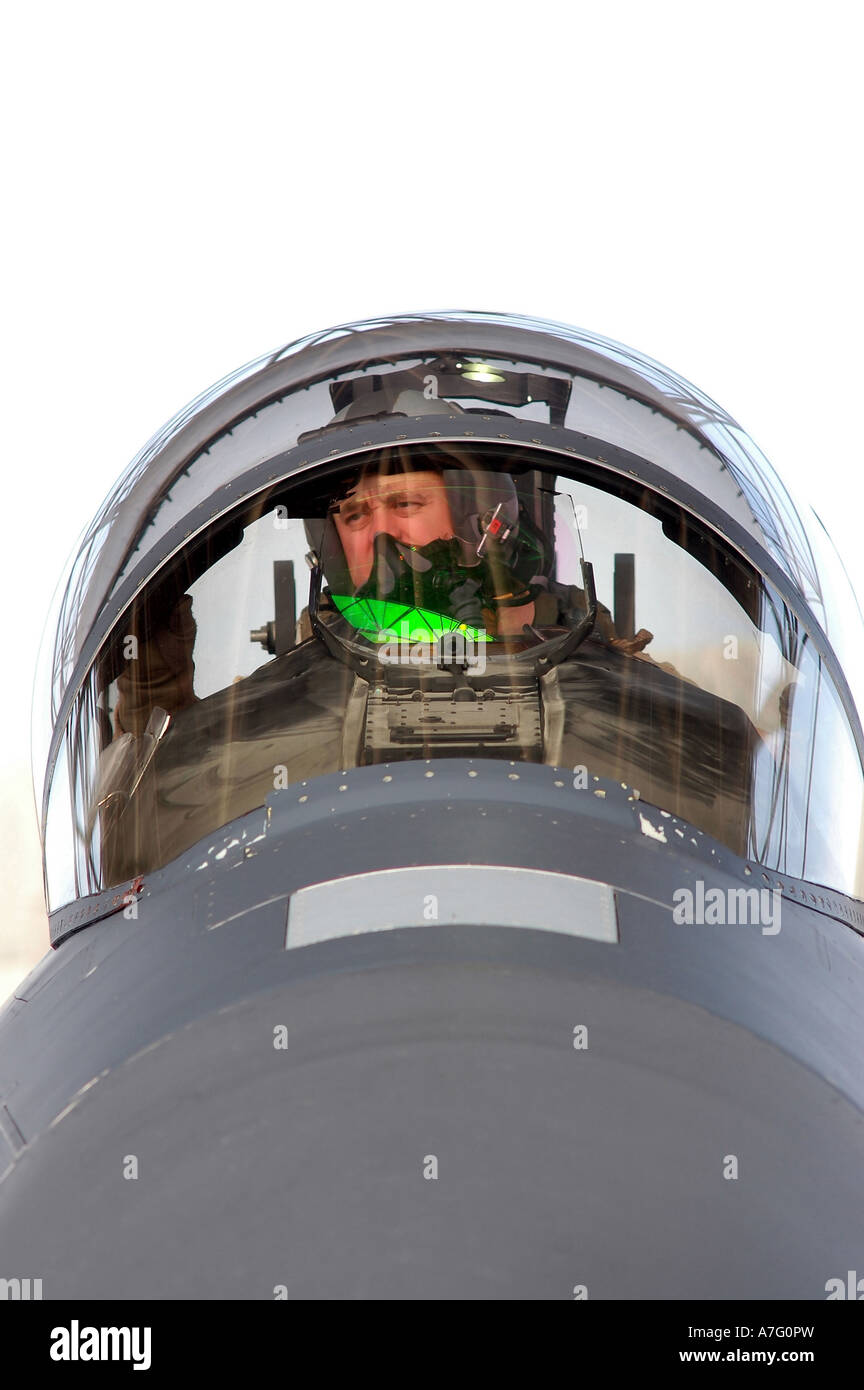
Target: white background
<point x="189" y="185"/>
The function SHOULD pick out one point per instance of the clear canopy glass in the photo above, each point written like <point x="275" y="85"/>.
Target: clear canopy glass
<point x="466" y="487"/>
<point x="440" y="601"/>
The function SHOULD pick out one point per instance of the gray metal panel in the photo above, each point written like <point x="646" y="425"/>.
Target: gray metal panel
<point x="452" y="894"/>
<point x="306" y="1165"/>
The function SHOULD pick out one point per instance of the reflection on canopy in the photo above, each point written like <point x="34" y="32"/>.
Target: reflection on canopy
<point x="666" y="476"/>
<point x="695" y="683"/>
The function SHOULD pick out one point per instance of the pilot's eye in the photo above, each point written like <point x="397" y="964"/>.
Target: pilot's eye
<point x="406" y="505"/>
<point x="355" y="514"/>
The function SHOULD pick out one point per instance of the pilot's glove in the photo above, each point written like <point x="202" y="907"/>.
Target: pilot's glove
<point x="162" y="674"/>
<point x="632" y="645"/>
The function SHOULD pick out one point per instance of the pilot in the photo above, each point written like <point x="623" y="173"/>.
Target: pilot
<point x="453" y="540"/>
<point x="412" y="531"/>
<point x="448" y="540"/>
<point x="434" y="537"/>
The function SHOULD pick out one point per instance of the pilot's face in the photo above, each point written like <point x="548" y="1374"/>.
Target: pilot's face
<point x="410" y="507"/>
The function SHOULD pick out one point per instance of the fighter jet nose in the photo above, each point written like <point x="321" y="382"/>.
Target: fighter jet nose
<point x="487" y="929"/>
<point x="447" y="1113"/>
